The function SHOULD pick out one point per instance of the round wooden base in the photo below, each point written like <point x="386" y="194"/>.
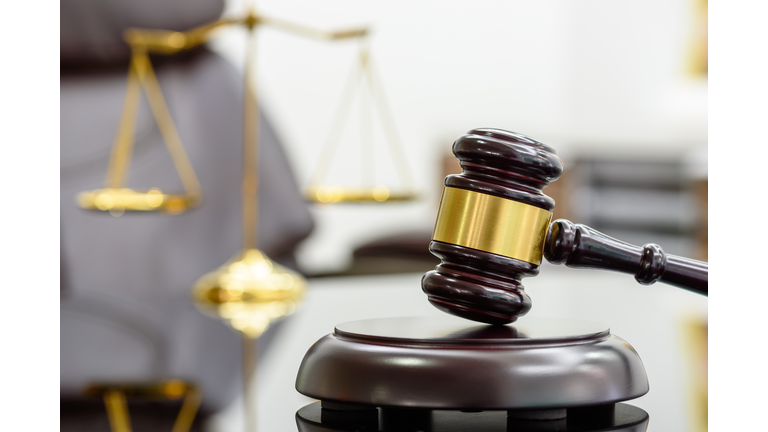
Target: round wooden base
<point x="542" y="366"/>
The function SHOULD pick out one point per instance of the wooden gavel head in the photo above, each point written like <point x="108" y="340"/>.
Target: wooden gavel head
<point x="491" y="226"/>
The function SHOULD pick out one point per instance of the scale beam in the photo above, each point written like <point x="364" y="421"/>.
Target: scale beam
<point x="168" y="42"/>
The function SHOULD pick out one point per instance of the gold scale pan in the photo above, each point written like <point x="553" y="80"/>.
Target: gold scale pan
<point x="114" y="197"/>
<point x="116" y="396"/>
<point x="363" y="77"/>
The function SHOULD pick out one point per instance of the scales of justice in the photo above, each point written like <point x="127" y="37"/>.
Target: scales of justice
<point x="492" y="369"/>
<point x="250" y="291"/>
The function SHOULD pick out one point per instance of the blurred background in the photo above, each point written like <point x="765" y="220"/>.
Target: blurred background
<point x="601" y="82"/>
<point x="619" y="89"/>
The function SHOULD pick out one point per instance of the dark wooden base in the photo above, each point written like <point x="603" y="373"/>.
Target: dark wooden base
<point x="447" y="363"/>
<point x="612" y="417"/>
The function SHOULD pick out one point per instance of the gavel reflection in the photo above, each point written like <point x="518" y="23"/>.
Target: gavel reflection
<point x="493" y="228"/>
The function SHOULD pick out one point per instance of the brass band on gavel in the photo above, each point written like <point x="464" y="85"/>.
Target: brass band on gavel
<point x="492" y="224"/>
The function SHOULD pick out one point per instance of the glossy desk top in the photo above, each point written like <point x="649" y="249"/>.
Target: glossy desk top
<point x="650" y="318"/>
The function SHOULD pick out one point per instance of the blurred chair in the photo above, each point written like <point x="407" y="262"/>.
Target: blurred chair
<point x="126" y="311"/>
<point x="636" y="200"/>
<point x="406" y="252"/>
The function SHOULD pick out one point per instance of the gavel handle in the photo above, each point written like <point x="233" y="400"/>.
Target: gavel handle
<point x="580" y="246"/>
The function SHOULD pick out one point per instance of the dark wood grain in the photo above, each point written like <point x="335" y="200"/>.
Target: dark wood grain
<point x="580" y="246"/>
<point x="478" y="285"/>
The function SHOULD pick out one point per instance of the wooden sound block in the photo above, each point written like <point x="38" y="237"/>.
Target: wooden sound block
<point x="535" y="368"/>
<point x="317" y="418"/>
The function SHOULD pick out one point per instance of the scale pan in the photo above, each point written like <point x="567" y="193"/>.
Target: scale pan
<point x="118" y="200"/>
<point x="339" y="194"/>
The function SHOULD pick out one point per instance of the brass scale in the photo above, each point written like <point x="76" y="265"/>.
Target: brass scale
<point x="250" y="291"/>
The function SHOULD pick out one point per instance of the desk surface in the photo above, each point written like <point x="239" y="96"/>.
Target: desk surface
<point x="652" y="319"/>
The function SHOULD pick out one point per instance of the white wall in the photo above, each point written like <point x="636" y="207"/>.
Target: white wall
<point x="594" y="75"/>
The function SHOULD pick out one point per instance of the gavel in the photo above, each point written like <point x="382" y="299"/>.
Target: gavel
<point x="494" y="226"/>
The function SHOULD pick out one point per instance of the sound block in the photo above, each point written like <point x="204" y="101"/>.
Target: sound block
<point x="315" y="418"/>
<point x="535" y="368"/>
